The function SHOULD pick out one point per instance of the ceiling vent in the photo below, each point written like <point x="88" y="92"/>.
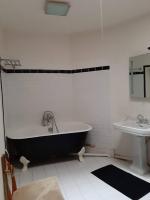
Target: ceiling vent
<point x="58" y="8"/>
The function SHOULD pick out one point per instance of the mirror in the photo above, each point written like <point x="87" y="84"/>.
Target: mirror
<point x="139" y="76"/>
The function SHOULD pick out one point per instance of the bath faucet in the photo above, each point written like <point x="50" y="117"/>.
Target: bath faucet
<point x="142" y="120"/>
<point x="49" y="120"/>
<point x="48" y="117"/>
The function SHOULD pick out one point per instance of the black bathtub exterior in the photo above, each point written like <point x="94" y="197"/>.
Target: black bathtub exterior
<point x="40" y="149"/>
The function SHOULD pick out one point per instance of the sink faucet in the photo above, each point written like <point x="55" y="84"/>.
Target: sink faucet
<point x="142" y="120"/>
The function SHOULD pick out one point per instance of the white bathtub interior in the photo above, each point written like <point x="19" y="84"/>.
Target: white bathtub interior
<point x="40" y="131"/>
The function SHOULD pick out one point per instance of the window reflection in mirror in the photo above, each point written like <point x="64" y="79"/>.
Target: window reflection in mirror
<point x="139" y="76"/>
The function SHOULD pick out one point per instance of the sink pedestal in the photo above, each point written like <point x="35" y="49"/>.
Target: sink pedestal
<point x="139" y="164"/>
<point x="139" y="132"/>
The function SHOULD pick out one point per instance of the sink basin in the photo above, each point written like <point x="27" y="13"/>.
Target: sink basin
<point x="134" y="128"/>
<point x="139" y="132"/>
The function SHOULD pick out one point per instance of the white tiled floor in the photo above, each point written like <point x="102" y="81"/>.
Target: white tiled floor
<point x="76" y="181"/>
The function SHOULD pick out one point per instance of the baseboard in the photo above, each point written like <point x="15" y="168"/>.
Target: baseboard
<point x="96" y="155"/>
<point x="122" y="157"/>
<point x="99" y="152"/>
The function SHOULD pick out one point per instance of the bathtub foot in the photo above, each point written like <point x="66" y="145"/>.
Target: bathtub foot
<point x="25" y="163"/>
<point x="81" y="154"/>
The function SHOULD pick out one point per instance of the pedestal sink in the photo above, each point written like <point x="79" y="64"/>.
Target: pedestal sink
<point x="140" y="132"/>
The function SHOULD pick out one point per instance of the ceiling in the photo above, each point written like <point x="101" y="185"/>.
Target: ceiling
<point x="84" y="15"/>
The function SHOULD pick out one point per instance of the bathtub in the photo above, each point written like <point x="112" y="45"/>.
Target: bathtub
<point x="38" y="145"/>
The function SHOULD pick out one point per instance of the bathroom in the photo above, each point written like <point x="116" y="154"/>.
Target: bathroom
<point x="94" y="34"/>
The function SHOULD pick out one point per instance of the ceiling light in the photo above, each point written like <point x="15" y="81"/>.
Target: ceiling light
<point x="57" y="8"/>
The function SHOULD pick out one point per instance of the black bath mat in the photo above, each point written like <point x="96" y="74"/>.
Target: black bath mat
<point x="131" y="186"/>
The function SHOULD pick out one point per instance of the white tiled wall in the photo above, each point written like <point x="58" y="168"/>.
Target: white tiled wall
<point x="92" y="105"/>
<point x="27" y="96"/>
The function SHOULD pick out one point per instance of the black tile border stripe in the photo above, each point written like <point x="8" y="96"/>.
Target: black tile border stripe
<point x="135" y="73"/>
<point x="47" y="71"/>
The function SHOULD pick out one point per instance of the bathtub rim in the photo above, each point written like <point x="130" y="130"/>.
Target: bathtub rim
<point x="89" y="128"/>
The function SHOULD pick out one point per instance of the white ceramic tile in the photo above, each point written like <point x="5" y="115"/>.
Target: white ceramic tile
<point x="37" y="91"/>
<point x="92" y="105"/>
<point x="39" y="173"/>
<point x="146" y="197"/>
<point x="77" y="182"/>
<point x="25" y="177"/>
